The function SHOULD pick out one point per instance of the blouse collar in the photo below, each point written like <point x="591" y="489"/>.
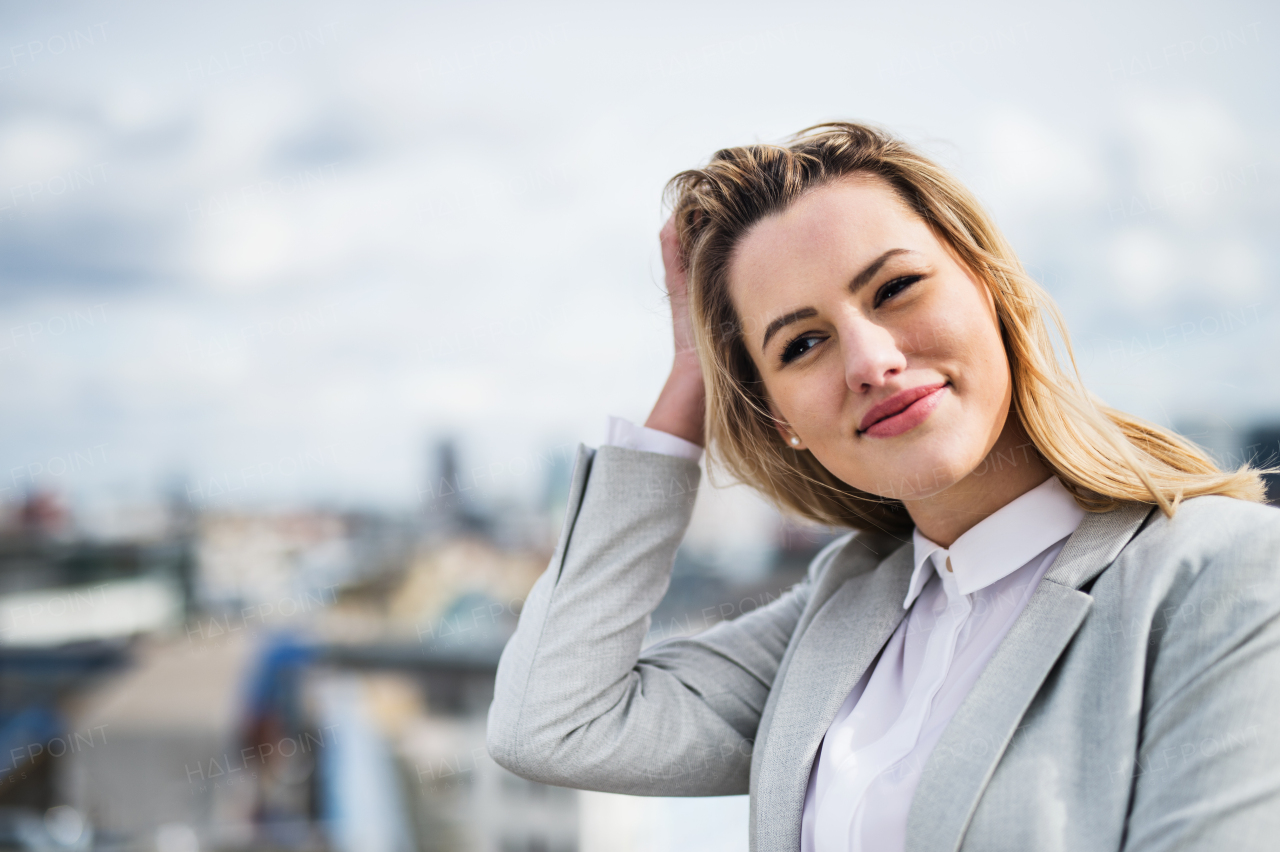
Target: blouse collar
<point x="1001" y="543"/>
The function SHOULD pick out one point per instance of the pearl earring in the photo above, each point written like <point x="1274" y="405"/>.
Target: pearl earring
<point x="795" y="442"/>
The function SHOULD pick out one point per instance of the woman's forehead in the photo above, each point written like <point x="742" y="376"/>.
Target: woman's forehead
<point x="825" y="233"/>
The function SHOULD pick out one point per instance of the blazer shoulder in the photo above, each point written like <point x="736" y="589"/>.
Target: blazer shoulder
<point x="1213" y="521"/>
<point x="819" y="564"/>
<point x="870" y="547"/>
<point x="1210" y="541"/>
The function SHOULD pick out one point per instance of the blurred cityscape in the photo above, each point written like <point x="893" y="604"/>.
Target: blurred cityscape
<point x="197" y="678"/>
<point x="319" y="679"/>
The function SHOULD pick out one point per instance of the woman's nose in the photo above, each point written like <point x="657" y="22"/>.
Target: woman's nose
<point x="871" y="354"/>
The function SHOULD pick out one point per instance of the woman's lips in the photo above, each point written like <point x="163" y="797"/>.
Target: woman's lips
<point x="920" y="403"/>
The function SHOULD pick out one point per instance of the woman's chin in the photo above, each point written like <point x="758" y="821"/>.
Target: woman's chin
<point x="917" y="476"/>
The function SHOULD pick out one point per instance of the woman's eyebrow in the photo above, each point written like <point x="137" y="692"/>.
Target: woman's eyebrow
<point x="859" y="281"/>
<point x="785" y="320"/>
<point x="862" y="278"/>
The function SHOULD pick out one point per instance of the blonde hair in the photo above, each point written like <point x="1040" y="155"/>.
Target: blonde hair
<point x="1102" y="456"/>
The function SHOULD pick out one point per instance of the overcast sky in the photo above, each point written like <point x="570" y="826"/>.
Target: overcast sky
<point x="283" y="247"/>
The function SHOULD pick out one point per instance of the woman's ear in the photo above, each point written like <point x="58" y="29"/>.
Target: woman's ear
<point x="790" y="438"/>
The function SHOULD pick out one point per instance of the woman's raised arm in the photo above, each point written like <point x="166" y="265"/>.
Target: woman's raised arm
<point x="577" y="704"/>
<point x="575" y="701"/>
<point x="681" y="405"/>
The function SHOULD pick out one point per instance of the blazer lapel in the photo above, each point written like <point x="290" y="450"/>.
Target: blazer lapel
<point x="841" y="641"/>
<point x="961" y="764"/>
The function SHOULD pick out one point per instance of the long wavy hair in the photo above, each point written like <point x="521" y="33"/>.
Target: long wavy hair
<point x="1102" y="456"/>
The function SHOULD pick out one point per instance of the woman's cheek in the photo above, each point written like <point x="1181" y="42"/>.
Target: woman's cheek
<point x="923" y="335"/>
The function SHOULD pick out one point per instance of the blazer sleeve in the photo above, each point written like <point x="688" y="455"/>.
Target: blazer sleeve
<point x="1208" y="763"/>
<point x="577" y="704"/>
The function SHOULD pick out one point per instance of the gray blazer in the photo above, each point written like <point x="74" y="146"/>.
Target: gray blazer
<point x="1133" y="704"/>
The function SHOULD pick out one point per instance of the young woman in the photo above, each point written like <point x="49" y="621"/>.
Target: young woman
<point x="1054" y="626"/>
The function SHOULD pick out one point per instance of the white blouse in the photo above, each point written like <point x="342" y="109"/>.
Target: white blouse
<point x="966" y="598"/>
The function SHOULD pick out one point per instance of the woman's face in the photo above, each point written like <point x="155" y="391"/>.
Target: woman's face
<point x="878" y="350"/>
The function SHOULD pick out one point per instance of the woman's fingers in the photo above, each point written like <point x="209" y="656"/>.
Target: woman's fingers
<point x="670" y="241"/>
<point x="676" y="289"/>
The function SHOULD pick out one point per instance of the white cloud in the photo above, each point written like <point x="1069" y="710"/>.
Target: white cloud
<point x="1186" y="150"/>
<point x="1038" y="166"/>
<point x="1146" y="267"/>
<point x="42" y="148"/>
<point x="1235" y="269"/>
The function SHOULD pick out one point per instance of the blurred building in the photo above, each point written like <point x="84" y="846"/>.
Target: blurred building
<point x="246" y="558"/>
<point x="168" y="760"/>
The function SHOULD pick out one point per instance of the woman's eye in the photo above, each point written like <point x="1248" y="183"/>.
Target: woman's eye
<point x="799" y="346"/>
<point x="894" y="287"/>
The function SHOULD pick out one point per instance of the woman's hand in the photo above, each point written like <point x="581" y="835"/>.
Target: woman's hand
<point x="680" y="407"/>
<point x="677" y="293"/>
